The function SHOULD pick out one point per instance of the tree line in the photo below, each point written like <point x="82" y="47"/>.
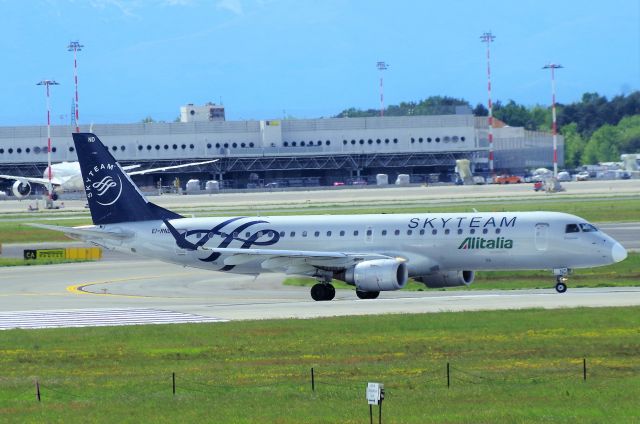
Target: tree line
<point x="595" y="129"/>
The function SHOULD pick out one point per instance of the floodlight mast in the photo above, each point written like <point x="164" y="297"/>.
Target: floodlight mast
<point x="488" y="38"/>
<point x="554" y="127"/>
<point x="75" y="47"/>
<point x="48" y="83"/>
<point x="382" y="66"/>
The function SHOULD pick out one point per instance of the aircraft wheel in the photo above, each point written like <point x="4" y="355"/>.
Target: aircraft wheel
<point x="321" y="292"/>
<point x="367" y="294"/>
<point x="561" y="287"/>
<point x="330" y="292"/>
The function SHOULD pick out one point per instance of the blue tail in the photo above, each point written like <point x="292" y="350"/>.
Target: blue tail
<point x="111" y="194"/>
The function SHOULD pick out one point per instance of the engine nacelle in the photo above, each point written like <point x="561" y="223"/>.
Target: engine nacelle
<point x="378" y="275"/>
<point x="438" y="280"/>
<point x="21" y="189"/>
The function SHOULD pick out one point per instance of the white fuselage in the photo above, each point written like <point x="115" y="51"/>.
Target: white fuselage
<point x="429" y="242"/>
<point x="67" y="175"/>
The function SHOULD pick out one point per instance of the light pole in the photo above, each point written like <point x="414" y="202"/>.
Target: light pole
<point x="554" y="128"/>
<point x="488" y="38"/>
<point x="75" y="47"/>
<point x="382" y="66"/>
<point x="47" y="83"/>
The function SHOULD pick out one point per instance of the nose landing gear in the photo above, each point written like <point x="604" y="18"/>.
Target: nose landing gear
<point x="561" y="279"/>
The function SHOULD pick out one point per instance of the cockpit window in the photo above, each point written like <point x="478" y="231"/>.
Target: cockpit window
<point x="588" y="228"/>
<point x="572" y="228"/>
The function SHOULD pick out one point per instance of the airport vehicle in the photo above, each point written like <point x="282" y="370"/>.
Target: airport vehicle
<point x="66" y="176"/>
<point x="507" y="179"/>
<point x="372" y="252"/>
<point x="583" y="176"/>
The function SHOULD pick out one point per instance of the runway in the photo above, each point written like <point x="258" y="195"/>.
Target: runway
<point x="149" y="292"/>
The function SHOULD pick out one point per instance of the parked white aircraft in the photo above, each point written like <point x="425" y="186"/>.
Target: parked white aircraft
<point x="66" y="176"/>
<point x="372" y="252"/>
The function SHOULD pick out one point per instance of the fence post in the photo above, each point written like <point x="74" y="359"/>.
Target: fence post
<point x="313" y="381"/>
<point x="448" y="376"/>
<point x="38" y="391"/>
<point x="584" y="369"/>
<point x="173" y="377"/>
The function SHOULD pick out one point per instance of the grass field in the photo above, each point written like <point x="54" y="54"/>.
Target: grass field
<point x="506" y="366"/>
<point x="621" y="274"/>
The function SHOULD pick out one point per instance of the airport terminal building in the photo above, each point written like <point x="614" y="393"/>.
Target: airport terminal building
<point x="293" y="151"/>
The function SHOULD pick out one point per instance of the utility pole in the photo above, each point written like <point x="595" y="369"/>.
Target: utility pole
<point x="488" y="38"/>
<point x="75" y="47"/>
<point x="47" y="83"/>
<point x="382" y="66"/>
<point x="554" y="128"/>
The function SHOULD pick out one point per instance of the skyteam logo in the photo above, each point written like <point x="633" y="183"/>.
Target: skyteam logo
<point x="483" y="243"/>
<point x="103" y="186"/>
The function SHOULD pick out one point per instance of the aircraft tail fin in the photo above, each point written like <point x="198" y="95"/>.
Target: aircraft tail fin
<point x="111" y="194"/>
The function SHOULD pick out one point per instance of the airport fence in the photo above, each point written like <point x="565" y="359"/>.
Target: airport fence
<point x="446" y="376"/>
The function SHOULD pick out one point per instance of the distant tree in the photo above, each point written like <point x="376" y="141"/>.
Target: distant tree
<point x="480" y="110"/>
<point x="147" y="120"/>
<point x="603" y="146"/>
<point x="629" y="128"/>
<point x="574" y="145"/>
<point x="512" y="113"/>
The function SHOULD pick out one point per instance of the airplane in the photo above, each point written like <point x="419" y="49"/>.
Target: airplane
<point x="66" y="176"/>
<point x="374" y="253"/>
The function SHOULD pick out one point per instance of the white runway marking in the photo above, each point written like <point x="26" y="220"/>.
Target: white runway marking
<point x="97" y="318"/>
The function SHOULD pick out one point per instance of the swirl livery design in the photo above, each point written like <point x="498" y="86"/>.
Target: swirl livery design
<point x="231" y="230"/>
<point x="100" y="182"/>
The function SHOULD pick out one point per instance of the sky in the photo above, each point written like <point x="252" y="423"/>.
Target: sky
<point x="268" y="59"/>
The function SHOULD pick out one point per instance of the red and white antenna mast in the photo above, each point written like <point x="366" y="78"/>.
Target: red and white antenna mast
<point x="382" y="66"/>
<point x="488" y="38"/>
<point x="75" y="47"/>
<point x="554" y="128"/>
<point x="47" y="83"/>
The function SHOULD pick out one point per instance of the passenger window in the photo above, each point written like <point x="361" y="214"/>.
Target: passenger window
<point x="247" y="234"/>
<point x="485" y="231"/>
<point x="304" y="234"/>
<point x="572" y="228"/>
<point x="434" y="232"/>
<point x="588" y="228"/>
<point x="281" y="233"/>
<point x="422" y="232"/>
<point x="355" y="233"/>
<point x="447" y="231"/>
<point x="317" y="233"/>
<point x="396" y="232"/>
<point x="328" y="233"/>
<point x="409" y="232"/>
<point x="497" y="230"/>
<point x="472" y="231"/>
<point x="384" y="232"/>
<point x="342" y="233"/>
<point x="459" y="230"/>
<point x="235" y="234"/>
<point x="369" y="232"/>
<point x="292" y="234"/>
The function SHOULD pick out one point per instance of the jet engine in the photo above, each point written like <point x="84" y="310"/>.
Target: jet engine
<point x="438" y="280"/>
<point x="21" y="189"/>
<point x="377" y="275"/>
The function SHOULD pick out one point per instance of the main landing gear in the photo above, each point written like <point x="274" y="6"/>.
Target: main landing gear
<point x="323" y="291"/>
<point x="367" y="294"/>
<point x="561" y="279"/>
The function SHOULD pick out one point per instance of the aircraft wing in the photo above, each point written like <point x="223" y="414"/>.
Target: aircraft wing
<point x="85" y="233"/>
<point x="295" y="261"/>
<point x="33" y="180"/>
<point x="167" y="168"/>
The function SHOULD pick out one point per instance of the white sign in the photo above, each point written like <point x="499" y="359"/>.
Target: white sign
<point x="373" y="393"/>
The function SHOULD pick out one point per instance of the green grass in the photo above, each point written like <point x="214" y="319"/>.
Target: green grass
<point x="507" y="366"/>
<point x="621" y="274"/>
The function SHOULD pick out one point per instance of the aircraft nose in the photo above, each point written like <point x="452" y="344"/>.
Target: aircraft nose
<point x="618" y="253"/>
